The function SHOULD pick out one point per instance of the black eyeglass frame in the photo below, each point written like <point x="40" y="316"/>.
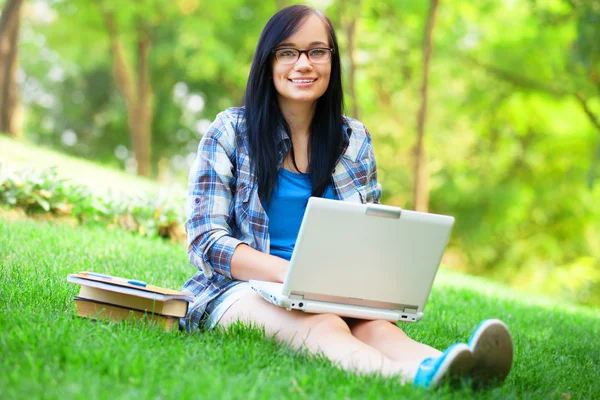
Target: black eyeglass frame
<point x="331" y="51"/>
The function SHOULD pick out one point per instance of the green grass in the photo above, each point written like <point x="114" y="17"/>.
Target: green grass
<point x="46" y="352"/>
<point x="16" y="155"/>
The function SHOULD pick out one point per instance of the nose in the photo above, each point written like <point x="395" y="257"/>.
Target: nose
<point x="303" y="63"/>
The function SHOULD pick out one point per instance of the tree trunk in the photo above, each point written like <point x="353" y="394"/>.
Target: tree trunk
<point x="137" y="92"/>
<point x="351" y="32"/>
<point x="353" y="13"/>
<point x="141" y="129"/>
<point x="421" y="189"/>
<point x="10" y="22"/>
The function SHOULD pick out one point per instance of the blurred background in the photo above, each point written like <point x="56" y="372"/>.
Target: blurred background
<point x="488" y="111"/>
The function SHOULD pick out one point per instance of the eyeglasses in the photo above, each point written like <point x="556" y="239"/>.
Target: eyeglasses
<point x="318" y="55"/>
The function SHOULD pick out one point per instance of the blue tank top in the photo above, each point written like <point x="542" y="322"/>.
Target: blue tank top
<point x="286" y="210"/>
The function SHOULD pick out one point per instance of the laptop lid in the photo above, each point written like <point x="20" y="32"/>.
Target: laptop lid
<point x="367" y="254"/>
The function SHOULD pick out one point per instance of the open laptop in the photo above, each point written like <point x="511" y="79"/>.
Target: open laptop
<point x="364" y="261"/>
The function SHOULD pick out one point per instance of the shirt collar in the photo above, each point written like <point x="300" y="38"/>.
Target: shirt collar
<point x="351" y="145"/>
<point x="284" y="142"/>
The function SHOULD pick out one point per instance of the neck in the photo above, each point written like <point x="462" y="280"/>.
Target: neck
<point x="298" y="116"/>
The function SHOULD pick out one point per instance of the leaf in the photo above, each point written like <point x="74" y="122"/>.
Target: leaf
<point x="41" y="201"/>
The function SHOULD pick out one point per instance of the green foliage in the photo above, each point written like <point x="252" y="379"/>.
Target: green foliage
<point x="511" y="152"/>
<point x="49" y="353"/>
<point x="39" y="192"/>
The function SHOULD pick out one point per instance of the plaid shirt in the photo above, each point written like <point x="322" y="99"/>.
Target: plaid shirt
<point x="224" y="208"/>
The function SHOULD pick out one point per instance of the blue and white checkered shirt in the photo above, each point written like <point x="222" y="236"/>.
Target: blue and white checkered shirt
<point x="224" y="208"/>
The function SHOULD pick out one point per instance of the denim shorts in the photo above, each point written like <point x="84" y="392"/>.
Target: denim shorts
<point x="217" y="307"/>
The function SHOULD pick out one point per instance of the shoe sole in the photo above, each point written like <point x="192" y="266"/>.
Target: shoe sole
<point x="492" y="349"/>
<point x="458" y="363"/>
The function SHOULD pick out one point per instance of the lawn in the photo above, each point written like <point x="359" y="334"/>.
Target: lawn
<point x="17" y="155"/>
<point x="47" y="352"/>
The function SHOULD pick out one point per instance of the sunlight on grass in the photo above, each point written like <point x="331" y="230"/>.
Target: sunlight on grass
<point x="102" y="180"/>
<point x="450" y="278"/>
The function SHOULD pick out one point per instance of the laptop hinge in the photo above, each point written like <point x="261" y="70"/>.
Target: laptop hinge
<point x="410" y="310"/>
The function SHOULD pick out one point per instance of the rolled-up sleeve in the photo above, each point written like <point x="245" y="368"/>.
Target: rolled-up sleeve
<point x="210" y="194"/>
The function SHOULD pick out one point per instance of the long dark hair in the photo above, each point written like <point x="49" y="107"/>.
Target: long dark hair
<point x="264" y="118"/>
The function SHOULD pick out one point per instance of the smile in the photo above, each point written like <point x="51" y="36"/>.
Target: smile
<point x="303" y="80"/>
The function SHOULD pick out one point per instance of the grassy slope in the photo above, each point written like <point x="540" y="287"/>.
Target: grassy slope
<point x="16" y="155"/>
<point x="48" y="353"/>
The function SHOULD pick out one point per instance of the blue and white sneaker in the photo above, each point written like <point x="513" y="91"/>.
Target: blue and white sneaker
<point x="492" y="349"/>
<point x="456" y="362"/>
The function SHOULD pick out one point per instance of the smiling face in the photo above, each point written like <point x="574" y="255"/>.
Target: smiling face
<point x="303" y="82"/>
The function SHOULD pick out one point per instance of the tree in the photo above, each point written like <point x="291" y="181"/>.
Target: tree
<point x="421" y="190"/>
<point x="134" y="85"/>
<point x="350" y="11"/>
<point x="586" y="66"/>
<point x="10" y="22"/>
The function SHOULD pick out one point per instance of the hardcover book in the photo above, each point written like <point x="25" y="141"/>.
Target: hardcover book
<point x="115" y="298"/>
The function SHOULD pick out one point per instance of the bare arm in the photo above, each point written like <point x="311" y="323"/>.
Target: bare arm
<point x="248" y="263"/>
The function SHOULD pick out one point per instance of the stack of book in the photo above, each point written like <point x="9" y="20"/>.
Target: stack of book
<point x="113" y="298"/>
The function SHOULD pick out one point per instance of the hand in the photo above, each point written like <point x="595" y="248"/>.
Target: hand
<point x="248" y="263"/>
<point x="282" y="269"/>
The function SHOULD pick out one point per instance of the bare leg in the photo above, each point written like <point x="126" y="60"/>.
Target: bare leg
<point x="318" y="333"/>
<point x="391" y="341"/>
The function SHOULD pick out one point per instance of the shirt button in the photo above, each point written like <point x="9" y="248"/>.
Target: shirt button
<point x="197" y="200"/>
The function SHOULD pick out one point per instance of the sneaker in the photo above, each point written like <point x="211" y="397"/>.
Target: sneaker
<point x="493" y="352"/>
<point x="455" y="363"/>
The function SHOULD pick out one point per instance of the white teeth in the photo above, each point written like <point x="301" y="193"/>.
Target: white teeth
<point x="302" y="80"/>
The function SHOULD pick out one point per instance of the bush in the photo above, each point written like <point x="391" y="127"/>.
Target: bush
<point x="43" y="192"/>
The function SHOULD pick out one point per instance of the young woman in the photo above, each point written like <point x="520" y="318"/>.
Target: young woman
<point x="256" y="168"/>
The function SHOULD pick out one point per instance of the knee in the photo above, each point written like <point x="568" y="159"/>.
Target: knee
<point x="371" y="330"/>
<point x="327" y="323"/>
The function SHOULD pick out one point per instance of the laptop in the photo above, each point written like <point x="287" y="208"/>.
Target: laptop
<point x="366" y="261"/>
